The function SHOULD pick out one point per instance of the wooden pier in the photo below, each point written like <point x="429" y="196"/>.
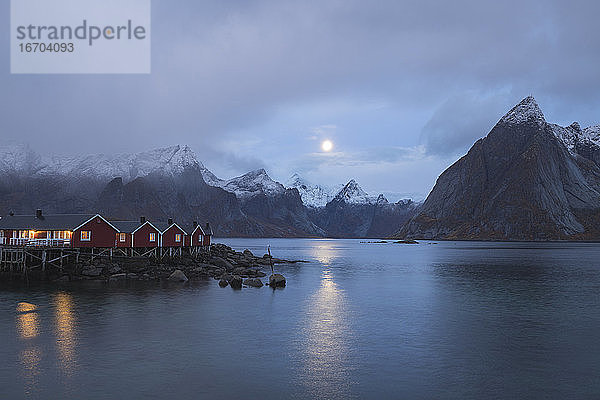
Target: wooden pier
<point x="20" y="261"/>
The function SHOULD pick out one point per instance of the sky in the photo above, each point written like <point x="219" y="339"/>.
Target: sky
<point x="401" y="88"/>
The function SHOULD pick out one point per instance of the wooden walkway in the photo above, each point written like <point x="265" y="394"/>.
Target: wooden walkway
<point x="21" y="260"/>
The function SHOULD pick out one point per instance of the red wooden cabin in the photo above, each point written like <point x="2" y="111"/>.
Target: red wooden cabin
<point x="197" y="236"/>
<point x="146" y="235"/>
<point x="95" y="232"/>
<point x="57" y="230"/>
<point x="172" y="235"/>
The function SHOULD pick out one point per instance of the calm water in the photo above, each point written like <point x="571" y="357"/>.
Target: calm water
<point x="450" y="320"/>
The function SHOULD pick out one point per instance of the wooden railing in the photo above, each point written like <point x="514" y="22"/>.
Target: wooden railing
<point x="39" y="242"/>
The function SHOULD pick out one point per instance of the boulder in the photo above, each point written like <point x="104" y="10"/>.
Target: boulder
<point x="248" y="254"/>
<point x="235" y="282"/>
<point x="219" y="262"/>
<point x="92" y="272"/>
<point x="114" y="270"/>
<point x="178" y="276"/>
<point x="117" y="277"/>
<point x="277" y="280"/>
<point x="223" y="283"/>
<point x="227" y="277"/>
<point x="253" y="282"/>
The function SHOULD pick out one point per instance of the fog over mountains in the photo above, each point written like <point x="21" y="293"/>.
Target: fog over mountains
<point x="526" y="180"/>
<point x="171" y="182"/>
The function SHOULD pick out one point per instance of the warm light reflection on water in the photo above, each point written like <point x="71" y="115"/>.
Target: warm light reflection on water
<point x="28" y="323"/>
<point x="30" y="358"/>
<point x="66" y="340"/>
<point x="327" y="340"/>
<point x="28" y="326"/>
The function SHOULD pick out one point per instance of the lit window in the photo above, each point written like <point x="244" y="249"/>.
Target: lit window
<point x="178" y="237"/>
<point x="121" y="237"/>
<point x="153" y="237"/>
<point x="86" y="236"/>
<point x="200" y="238"/>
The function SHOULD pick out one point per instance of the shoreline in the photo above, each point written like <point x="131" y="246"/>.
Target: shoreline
<point x="221" y="263"/>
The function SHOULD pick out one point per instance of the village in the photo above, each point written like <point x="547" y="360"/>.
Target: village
<point x="66" y="247"/>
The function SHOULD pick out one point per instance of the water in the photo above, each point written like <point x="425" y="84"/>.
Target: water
<point x="453" y="320"/>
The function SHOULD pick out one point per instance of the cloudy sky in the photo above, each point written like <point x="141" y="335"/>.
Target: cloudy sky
<point x="402" y="88"/>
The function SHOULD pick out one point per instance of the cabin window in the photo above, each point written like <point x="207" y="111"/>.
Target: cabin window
<point x="199" y="238"/>
<point x="86" y="236"/>
<point x="121" y="237"/>
<point x="153" y="237"/>
<point x="178" y="237"/>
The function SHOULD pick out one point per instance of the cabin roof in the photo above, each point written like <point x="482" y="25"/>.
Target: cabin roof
<point x="193" y="229"/>
<point x="126" y="226"/>
<point x="165" y="226"/>
<point x="51" y="222"/>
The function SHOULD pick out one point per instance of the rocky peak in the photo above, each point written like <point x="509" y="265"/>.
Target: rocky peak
<point x="253" y="183"/>
<point x="381" y="200"/>
<point x="352" y="193"/>
<point x="575" y="127"/>
<point x="526" y="111"/>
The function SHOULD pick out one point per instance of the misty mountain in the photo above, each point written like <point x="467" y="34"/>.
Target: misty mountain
<point x="171" y="182"/>
<point x="353" y="213"/>
<point x="526" y="180"/>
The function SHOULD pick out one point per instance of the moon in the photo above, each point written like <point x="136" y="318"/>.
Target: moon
<point x="327" y="145"/>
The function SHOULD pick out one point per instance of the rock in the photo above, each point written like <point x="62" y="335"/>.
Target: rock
<point x="92" y="272"/>
<point x="240" y="271"/>
<point x="133" y="276"/>
<point x="259" y="274"/>
<point x="226" y="277"/>
<point x="277" y="280"/>
<point x="117" y="277"/>
<point x="235" y="282"/>
<point x="219" y="262"/>
<point x="248" y="254"/>
<point x="253" y="282"/>
<point x="114" y="270"/>
<point x="178" y="276"/>
<point x="223" y="283"/>
<point x="407" y="241"/>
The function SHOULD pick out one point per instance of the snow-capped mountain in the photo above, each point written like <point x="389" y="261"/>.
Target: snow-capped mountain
<point x="165" y="161"/>
<point x="573" y="135"/>
<point x="529" y="111"/>
<point x="312" y="195"/>
<point x="526" y="179"/>
<point x="253" y="204"/>
<point x="352" y="193"/>
<point x="526" y="111"/>
<point x="247" y="185"/>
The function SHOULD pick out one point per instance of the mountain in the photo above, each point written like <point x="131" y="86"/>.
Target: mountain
<point x="169" y="161"/>
<point x="253" y="183"/>
<point x="312" y="195"/>
<point x="526" y="180"/>
<point x="172" y="182"/>
<point x="265" y="200"/>
<point x="353" y="213"/>
<point x="352" y="193"/>
<point x="158" y="184"/>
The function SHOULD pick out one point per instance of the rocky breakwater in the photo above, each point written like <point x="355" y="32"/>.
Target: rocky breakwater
<point x="222" y="263"/>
